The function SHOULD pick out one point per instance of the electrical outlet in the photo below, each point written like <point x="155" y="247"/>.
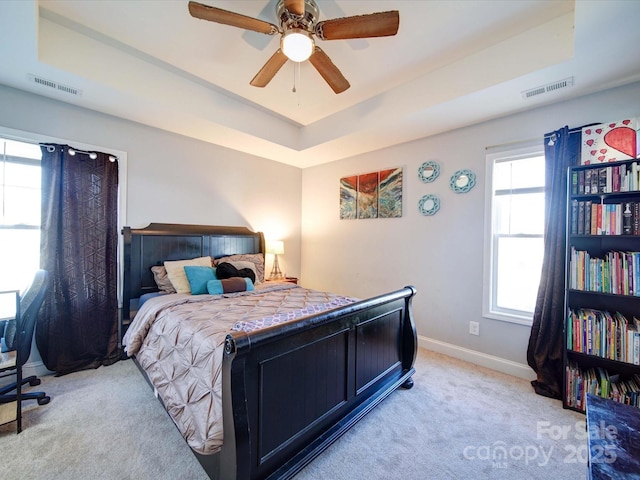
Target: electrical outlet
<point x="474" y="328"/>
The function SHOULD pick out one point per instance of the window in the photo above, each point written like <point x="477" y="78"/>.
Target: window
<point x="514" y="240"/>
<point x="20" y="199"/>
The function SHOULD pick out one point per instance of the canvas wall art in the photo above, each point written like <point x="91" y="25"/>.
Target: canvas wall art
<point x="371" y="195"/>
<point x="390" y="194"/>
<point x="368" y="195"/>
<point x="609" y="142"/>
<point x="348" y="195"/>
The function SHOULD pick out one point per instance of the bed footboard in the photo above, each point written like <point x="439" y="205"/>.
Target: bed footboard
<point x="291" y="390"/>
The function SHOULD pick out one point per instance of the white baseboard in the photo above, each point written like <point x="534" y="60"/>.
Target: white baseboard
<point x="35" y="368"/>
<point x="489" y="361"/>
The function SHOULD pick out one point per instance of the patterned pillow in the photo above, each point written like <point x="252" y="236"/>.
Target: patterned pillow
<point x="162" y="280"/>
<point x="256" y="258"/>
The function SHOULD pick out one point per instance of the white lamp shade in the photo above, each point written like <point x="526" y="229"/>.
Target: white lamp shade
<point x="297" y="45"/>
<point x="275" y="246"/>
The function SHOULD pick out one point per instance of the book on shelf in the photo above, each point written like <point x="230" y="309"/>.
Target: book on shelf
<point x="580" y="218"/>
<point x="606" y="179"/>
<point x="588" y="180"/>
<point x="592" y="218"/>
<point x="587" y="217"/>
<point x="616" y="272"/>
<point x="627" y="218"/>
<point x="601" y="187"/>
<point x="598" y="381"/>
<point x="605" y="335"/>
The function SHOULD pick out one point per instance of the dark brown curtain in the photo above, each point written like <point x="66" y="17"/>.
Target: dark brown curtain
<point x="79" y="237"/>
<point x="545" y="351"/>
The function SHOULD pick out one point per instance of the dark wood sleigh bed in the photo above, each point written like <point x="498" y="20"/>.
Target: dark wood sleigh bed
<point x="366" y="350"/>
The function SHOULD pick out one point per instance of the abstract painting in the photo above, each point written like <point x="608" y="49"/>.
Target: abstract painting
<point x="390" y="193"/>
<point x="348" y="194"/>
<point x="368" y="195"/>
<point x="372" y="195"/>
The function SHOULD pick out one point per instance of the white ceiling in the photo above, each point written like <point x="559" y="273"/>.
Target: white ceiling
<point x="453" y="63"/>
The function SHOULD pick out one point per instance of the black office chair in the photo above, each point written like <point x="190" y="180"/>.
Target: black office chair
<point x="16" y="343"/>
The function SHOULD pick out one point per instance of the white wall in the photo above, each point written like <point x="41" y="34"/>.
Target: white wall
<point x="174" y="179"/>
<point x="442" y="256"/>
<point x="170" y="178"/>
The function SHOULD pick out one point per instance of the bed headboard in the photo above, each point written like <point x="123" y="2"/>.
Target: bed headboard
<point x="152" y="245"/>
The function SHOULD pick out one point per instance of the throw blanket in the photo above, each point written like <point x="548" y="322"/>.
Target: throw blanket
<point x="178" y="339"/>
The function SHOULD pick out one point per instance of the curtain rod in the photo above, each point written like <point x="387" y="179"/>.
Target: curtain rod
<point x="571" y="132"/>
<point x="552" y="135"/>
<point x="73" y="151"/>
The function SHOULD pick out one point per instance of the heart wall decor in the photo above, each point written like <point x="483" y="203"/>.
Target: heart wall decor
<point x="610" y="142"/>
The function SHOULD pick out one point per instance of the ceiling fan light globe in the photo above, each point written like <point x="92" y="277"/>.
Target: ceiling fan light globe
<point x="297" y="45"/>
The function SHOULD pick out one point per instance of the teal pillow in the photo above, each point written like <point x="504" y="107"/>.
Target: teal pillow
<point x="198" y="278"/>
<point x="229" y="285"/>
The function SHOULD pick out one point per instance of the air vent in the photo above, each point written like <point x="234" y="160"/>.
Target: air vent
<point x="551" y="87"/>
<point x="55" y="85"/>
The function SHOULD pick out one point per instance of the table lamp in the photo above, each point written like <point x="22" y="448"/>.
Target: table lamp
<point x="277" y="248"/>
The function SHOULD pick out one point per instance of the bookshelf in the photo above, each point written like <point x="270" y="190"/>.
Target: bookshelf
<point x="602" y="298"/>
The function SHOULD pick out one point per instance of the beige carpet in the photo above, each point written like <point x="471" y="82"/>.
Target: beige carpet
<point x="459" y="421"/>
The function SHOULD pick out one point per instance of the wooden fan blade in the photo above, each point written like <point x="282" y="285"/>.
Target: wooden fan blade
<point x="329" y="71"/>
<point x="213" y="14"/>
<point x="295" y="6"/>
<point x="381" y="24"/>
<point x="269" y="70"/>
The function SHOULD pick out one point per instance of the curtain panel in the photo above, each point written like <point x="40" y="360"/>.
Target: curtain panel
<point x="545" y="349"/>
<point x="79" y="236"/>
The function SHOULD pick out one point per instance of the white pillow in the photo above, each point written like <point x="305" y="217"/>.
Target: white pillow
<point x="177" y="277"/>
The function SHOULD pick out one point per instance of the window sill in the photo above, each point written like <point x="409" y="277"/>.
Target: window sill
<point x="510" y="318"/>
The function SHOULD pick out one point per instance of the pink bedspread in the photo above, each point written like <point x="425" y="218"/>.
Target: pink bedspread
<point x="178" y="340"/>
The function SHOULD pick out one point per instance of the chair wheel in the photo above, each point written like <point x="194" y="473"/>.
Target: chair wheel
<point x="35" y="382"/>
<point x="44" y="400"/>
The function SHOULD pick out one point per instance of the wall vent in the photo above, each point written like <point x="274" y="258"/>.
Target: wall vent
<point x="55" y="85"/>
<point x="551" y="87"/>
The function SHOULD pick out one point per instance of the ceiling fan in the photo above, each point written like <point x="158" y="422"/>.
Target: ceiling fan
<point x="298" y="25"/>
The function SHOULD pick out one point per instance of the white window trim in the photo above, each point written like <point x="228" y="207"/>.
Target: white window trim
<point x="507" y="152"/>
<point x="29" y="137"/>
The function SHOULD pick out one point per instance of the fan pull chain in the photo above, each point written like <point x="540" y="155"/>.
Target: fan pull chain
<point x="296" y="79"/>
<point x="295" y="68"/>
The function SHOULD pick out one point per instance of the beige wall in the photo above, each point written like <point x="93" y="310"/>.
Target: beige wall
<point x="441" y="255"/>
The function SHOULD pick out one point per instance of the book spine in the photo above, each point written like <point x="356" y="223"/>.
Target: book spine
<point x="615" y="179"/>
<point x="602" y="181"/>
<point x="599" y="228"/>
<point x="627" y="215"/>
<point x="587" y="217"/>
<point x="580" y="218"/>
